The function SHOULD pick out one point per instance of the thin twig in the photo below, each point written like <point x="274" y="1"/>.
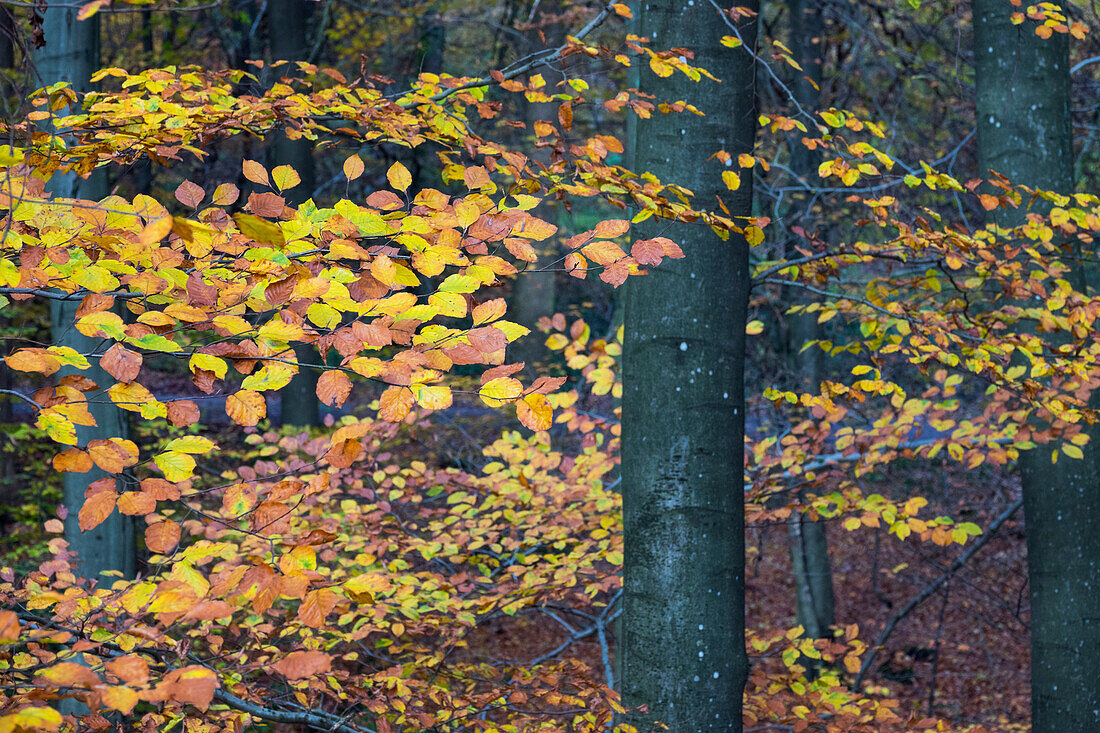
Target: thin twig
<point x="932" y="587"/>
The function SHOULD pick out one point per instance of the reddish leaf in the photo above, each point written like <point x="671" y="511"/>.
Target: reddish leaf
<point x="182" y="413"/>
<point x="190" y="194"/>
<point x="121" y="363"/>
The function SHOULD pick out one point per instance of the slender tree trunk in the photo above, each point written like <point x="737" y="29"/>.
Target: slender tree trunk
<point x="287" y="26"/>
<point x="683" y="637"/>
<point x="71" y="54"/>
<point x="810" y="560"/>
<point x="1024" y="132"/>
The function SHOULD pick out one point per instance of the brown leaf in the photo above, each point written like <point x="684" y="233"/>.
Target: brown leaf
<point x="299" y="665"/>
<point x="333" y="388"/>
<point x="200" y="292"/>
<point x="182" y="413"/>
<point x="121" y="363"/>
<point x="279" y="292"/>
<point x="647" y="252"/>
<point x="162" y="537"/>
<point x="267" y="205"/>
<point x="565" y="115"/>
<point x="190" y="194"/>
<point x="487" y="339"/>
<point x="316" y="606"/>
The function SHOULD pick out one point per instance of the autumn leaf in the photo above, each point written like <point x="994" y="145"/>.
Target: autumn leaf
<point x="500" y="390"/>
<point x="316" y="606"/>
<point x="162" y="537"/>
<point x="535" y="412"/>
<point x="353" y="167"/>
<point x="285" y="177"/>
<point x="301" y="664"/>
<point x="255" y="172"/>
<point x="395" y="403"/>
<point x="175" y="466"/>
<point x="246" y="407"/>
<point x="333" y="387"/>
<point x="399" y="177"/>
<point x="96" y="509"/>
<point x="121" y="363"/>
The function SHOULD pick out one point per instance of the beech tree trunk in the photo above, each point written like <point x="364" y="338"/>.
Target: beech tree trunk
<point x="683" y="639"/>
<point x="288" y="22"/>
<point x="71" y="54"/>
<point x="810" y="561"/>
<point x="1024" y="132"/>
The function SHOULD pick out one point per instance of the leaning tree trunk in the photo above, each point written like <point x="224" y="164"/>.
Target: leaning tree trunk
<point x="1024" y="132"/>
<point x="683" y="639"/>
<point x="287" y="26"/>
<point x="811" y="564"/>
<point x="71" y="54"/>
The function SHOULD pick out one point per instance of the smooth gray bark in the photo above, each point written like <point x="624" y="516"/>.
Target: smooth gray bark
<point x="71" y="54"/>
<point x="683" y="637"/>
<point x="288" y="23"/>
<point x="1024" y="133"/>
<point x="811" y="564"/>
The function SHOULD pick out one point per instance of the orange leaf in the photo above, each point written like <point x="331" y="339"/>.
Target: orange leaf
<point x="121" y="363"/>
<point x="395" y="403"/>
<point x="299" y="665"/>
<point x="353" y="167"/>
<point x="155" y="231"/>
<point x="97" y="508"/>
<point x="131" y="669"/>
<point x="113" y="455"/>
<point x="136" y="503"/>
<point x="162" y="537"/>
<point x="612" y="228"/>
<point x="72" y="460"/>
<point x="333" y="388"/>
<point x="246" y="407"/>
<point x="256" y="173"/>
<point x="565" y="115"/>
<point x="194" y="684"/>
<point x="316" y="606"/>
<point x="534" y="412"/>
<point x="9" y="626"/>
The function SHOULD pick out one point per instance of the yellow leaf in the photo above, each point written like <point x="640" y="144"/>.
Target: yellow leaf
<point x="155" y="231"/>
<point x="95" y="278"/>
<point x="754" y="327"/>
<point x="176" y="466"/>
<point x="210" y="363"/>
<point x="191" y="444"/>
<point x="399" y="177"/>
<point x="732" y="180"/>
<point x="500" y="390"/>
<point x="535" y="412"/>
<point x="435" y="397"/>
<point x="1073" y="451"/>
<point x="285" y="177"/>
<point x="246" y="407"/>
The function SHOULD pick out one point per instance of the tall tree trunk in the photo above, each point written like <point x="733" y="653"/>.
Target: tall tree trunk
<point x="683" y="637"/>
<point x="287" y="26"/>
<point x="1024" y="132"/>
<point x="71" y="54"/>
<point x="810" y="561"/>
